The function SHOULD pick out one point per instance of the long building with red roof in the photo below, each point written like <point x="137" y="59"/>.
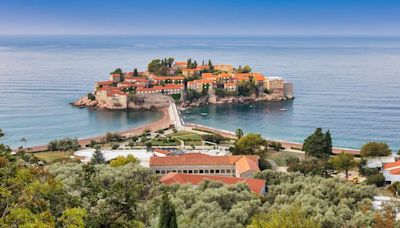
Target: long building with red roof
<point x="197" y="163"/>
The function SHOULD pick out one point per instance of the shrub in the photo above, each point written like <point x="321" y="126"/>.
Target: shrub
<point x="376" y="179"/>
<point x="264" y="164"/>
<point x="215" y="138"/>
<point x="375" y="149"/>
<point x="66" y="144"/>
<point x="91" y="97"/>
<point x="115" y="146"/>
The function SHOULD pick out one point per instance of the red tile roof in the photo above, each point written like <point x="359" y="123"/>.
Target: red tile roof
<point x="163" y="78"/>
<point x="391" y="165"/>
<point x="181" y="63"/>
<point x="395" y="171"/>
<point x="105" y="83"/>
<point x="255" y="185"/>
<point x="202" y="159"/>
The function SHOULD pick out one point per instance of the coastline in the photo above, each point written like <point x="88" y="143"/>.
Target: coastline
<point x="167" y="120"/>
<point x="163" y="122"/>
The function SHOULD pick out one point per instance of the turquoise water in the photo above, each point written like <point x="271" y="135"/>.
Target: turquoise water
<point x="348" y="85"/>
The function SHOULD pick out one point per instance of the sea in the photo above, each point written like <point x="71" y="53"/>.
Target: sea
<point x="347" y="85"/>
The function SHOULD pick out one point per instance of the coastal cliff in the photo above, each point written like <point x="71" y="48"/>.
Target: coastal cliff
<point x="134" y="102"/>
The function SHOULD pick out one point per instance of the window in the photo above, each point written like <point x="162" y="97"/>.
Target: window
<point x="179" y="171"/>
<point x="157" y="171"/>
<point x="184" y="171"/>
<point x="162" y="171"/>
<point x="211" y="171"/>
<point x="217" y="171"/>
<point x="196" y="171"/>
<point x="190" y="171"/>
<point x="201" y="171"/>
<point x="222" y="170"/>
<point x="228" y="171"/>
<point x="206" y="171"/>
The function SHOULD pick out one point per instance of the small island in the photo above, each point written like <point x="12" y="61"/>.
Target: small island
<point x="187" y="83"/>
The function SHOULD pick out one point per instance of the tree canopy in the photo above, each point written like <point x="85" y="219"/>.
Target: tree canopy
<point x="250" y="144"/>
<point x="318" y="144"/>
<point x="343" y="163"/>
<point x="372" y="149"/>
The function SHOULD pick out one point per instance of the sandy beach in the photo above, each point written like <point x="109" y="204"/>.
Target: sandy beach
<point x="162" y="123"/>
<point x="166" y="122"/>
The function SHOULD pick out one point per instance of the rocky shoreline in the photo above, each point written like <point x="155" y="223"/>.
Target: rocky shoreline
<point x="231" y="100"/>
<point x="152" y="103"/>
<point x="140" y="103"/>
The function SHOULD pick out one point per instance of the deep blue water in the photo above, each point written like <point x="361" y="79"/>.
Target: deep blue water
<point x="349" y="85"/>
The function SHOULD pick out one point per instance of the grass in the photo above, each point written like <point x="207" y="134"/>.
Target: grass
<point x="281" y="157"/>
<point x="160" y="142"/>
<point x="186" y="136"/>
<point x="51" y="156"/>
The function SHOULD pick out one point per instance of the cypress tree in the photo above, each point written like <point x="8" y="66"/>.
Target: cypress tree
<point x="135" y="72"/>
<point x="328" y="140"/>
<point x="98" y="157"/>
<point x="167" y="214"/>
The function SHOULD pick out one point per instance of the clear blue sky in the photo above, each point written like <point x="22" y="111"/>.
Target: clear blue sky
<point x="243" y="17"/>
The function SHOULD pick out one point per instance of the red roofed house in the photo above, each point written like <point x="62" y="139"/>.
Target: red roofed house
<point x="230" y="86"/>
<point x="115" y="78"/>
<point x="224" y="67"/>
<point x="190" y="72"/>
<point x="113" y="96"/>
<point x="391" y="172"/>
<point x="160" y="152"/>
<point x="256" y="185"/>
<point x="166" y="79"/>
<point x="180" y="65"/>
<point x="197" y="163"/>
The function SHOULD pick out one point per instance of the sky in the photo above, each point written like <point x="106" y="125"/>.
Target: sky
<point x="205" y="17"/>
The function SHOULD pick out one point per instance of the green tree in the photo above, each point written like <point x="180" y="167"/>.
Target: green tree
<point x="98" y="157"/>
<point x="239" y="133"/>
<point x="135" y="72"/>
<point x="317" y="144"/>
<point x="121" y="161"/>
<point x="167" y="214"/>
<point x="1" y="133"/>
<point x="23" y="140"/>
<point x="376" y="179"/>
<point x="284" y="218"/>
<point x="117" y="71"/>
<point x="149" y="145"/>
<point x="250" y="144"/>
<point x="245" y="69"/>
<point x="343" y="163"/>
<point x="372" y="149"/>
<point x="73" y="218"/>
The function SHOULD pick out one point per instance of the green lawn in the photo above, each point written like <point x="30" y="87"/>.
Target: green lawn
<point x="281" y="157"/>
<point x="161" y="142"/>
<point x="186" y="136"/>
<point x="51" y="156"/>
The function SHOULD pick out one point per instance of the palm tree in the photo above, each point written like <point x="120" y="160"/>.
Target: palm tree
<point x="239" y="133"/>
<point x="24" y="141"/>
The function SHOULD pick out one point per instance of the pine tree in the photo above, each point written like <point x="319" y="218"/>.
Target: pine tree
<point x="98" y="157"/>
<point x="316" y="144"/>
<point x="210" y="64"/>
<point x="135" y="72"/>
<point x="167" y="214"/>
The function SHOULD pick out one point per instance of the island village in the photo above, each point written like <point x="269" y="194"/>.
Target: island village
<point x="188" y="83"/>
<point x="185" y="153"/>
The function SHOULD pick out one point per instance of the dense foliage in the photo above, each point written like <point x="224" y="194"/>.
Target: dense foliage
<point x="328" y="201"/>
<point x="318" y="144"/>
<point x="66" y="144"/>
<point x="160" y="67"/>
<point x="250" y="144"/>
<point x="375" y="149"/>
